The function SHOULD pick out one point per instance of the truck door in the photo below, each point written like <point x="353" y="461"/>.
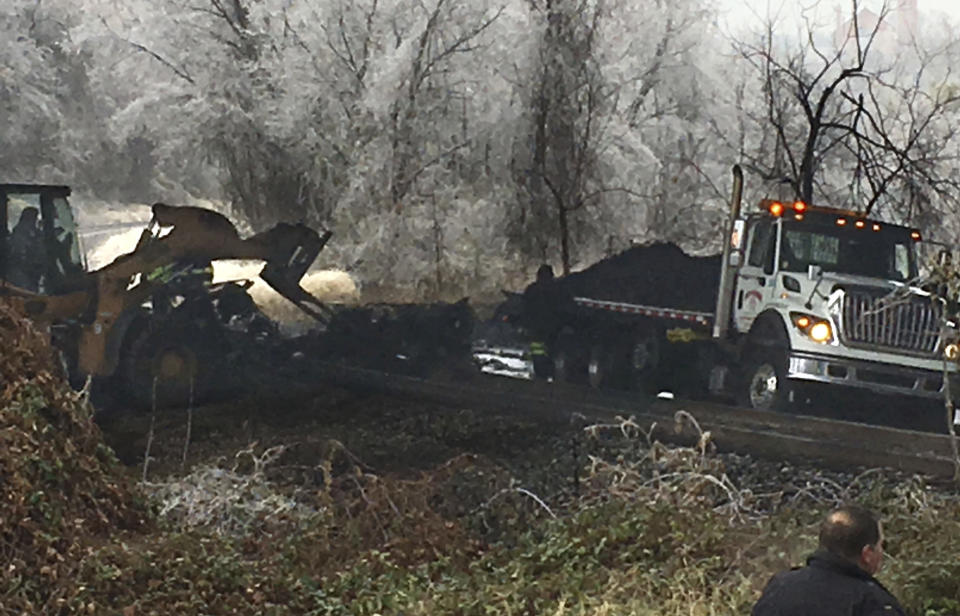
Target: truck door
<point x="756" y="278"/>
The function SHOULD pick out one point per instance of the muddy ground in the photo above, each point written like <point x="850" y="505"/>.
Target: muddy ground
<point x="385" y="435"/>
<point x="400" y="437"/>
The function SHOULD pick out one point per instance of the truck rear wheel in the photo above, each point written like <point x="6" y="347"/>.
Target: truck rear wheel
<point x="568" y="365"/>
<point x="644" y="362"/>
<point x="765" y="386"/>
<point x="599" y="366"/>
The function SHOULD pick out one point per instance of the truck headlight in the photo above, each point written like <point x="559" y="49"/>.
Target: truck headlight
<point x="815" y="328"/>
<point x="820" y="332"/>
<point x="952" y="351"/>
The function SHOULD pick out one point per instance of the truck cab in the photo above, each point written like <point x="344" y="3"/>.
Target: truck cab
<point x="827" y="295"/>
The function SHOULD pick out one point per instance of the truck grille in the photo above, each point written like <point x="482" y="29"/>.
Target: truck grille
<point x="904" y="324"/>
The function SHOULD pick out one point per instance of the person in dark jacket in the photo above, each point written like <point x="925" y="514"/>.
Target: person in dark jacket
<point x="838" y="579"/>
<point x="26" y="251"/>
<point x="540" y="316"/>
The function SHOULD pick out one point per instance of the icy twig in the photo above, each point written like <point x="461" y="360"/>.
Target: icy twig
<point x="524" y="492"/>
<point x="150" y="433"/>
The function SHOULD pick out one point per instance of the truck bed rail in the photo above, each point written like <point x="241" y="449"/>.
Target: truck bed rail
<point x="692" y="316"/>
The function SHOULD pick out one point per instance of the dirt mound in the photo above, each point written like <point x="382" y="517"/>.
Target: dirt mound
<point x="656" y="274"/>
<point x="61" y="488"/>
<point x="411" y="338"/>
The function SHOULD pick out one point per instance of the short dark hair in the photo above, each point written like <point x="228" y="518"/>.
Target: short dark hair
<point x="545" y="272"/>
<point x="847" y="529"/>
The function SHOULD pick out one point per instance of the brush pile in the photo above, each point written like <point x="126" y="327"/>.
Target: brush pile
<point x="61" y="488"/>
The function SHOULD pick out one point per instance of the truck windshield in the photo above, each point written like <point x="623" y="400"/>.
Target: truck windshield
<point x="888" y="253"/>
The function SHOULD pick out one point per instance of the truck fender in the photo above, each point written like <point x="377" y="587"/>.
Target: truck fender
<point x="768" y="331"/>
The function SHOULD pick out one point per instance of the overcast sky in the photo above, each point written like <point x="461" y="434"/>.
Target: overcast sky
<point x="739" y="13"/>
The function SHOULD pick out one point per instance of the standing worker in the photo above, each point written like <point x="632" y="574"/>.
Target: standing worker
<point x="838" y="579"/>
<point x="540" y="303"/>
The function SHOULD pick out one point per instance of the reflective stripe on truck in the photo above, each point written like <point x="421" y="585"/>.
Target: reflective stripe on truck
<point x="701" y="318"/>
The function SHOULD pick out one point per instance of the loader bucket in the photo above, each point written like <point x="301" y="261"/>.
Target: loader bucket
<point x="289" y="263"/>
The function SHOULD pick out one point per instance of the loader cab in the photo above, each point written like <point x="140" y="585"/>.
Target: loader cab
<point x="39" y="245"/>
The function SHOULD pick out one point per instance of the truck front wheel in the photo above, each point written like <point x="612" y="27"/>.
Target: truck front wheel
<point x="562" y="368"/>
<point x="765" y="386"/>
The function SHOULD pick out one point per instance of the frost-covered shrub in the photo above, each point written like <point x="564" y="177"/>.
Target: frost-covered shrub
<point x="228" y="501"/>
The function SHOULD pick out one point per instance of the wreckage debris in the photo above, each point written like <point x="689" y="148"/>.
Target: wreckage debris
<point x="411" y="338"/>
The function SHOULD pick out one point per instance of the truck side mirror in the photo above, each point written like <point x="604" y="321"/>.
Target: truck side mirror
<point x="814" y="271"/>
<point x="736" y="242"/>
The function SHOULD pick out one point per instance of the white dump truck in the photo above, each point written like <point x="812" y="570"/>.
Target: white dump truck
<point x="801" y="294"/>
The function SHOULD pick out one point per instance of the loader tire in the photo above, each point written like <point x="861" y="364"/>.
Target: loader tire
<point x="171" y="367"/>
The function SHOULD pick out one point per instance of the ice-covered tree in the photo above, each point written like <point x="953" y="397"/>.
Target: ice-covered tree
<point x="49" y="110"/>
<point x="615" y="89"/>
<point x="858" y="112"/>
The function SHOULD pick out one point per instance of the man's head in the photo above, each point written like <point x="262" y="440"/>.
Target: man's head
<point x="545" y="273"/>
<point x="853" y="533"/>
<point x="29" y="216"/>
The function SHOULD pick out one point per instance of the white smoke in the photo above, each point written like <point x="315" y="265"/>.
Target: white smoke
<point x="329" y="286"/>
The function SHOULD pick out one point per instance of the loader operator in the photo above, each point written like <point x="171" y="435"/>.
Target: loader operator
<point x="27" y="252"/>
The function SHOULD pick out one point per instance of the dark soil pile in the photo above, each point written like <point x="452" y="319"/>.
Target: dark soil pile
<point x="406" y="338"/>
<point x="61" y="488"/>
<point x="658" y="274"/>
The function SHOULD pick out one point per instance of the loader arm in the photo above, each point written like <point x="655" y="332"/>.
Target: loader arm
<point x="185" y="234"/>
